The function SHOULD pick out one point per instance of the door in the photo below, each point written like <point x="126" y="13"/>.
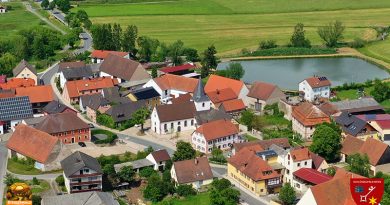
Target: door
<point x="72" y="139"/>
<point x="178" y="128"/>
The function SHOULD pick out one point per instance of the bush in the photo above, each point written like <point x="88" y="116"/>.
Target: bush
<point x="185" y="190"/>
<point x="357" y="43"/>
<point x="147" y="172"/>
<point x="110" y="136"/>
<point x="35" y="181"/>
<point x="60" y="180"/>
<point x="267" y="44"/>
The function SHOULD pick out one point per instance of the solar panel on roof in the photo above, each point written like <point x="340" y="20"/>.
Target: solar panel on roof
<point x="371" y="117"/>
<point x="15" y="108"/>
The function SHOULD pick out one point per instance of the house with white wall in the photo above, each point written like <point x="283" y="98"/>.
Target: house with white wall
<point x="220" y="134"/>
<point x="314" y="88"/>
<point x="196" y="172"/>
<point x="295" y="160"/>
<point x="98" y="56"/>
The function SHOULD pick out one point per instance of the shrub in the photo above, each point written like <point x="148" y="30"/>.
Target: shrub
<point x="60" y="180"/>
<point x="267" y="44"/>
<point x="357" y="43"/>
<point x="185" y="190"/>
<point x="146" y="172"/>
<point x="35" y="181"/>
<point x="289" y="51"/>
<point x="110" y="136"/>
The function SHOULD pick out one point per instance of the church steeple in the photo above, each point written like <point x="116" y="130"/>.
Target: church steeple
<point x="199" y="95"/>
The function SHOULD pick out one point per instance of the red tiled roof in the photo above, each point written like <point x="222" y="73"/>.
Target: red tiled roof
<point x="261" y="90"/>
<point x="219" y="96"/>
<point x="317" y="160"/>
<point x="175" y="82"/>
<point x="374" y="155"/>
<point x="252" y="165"/>
<point x="300" y="154"/>
<point x="161" y="155"/>
<point x="37" y="94"/>
<point x="351" y="145"/>
<point x="309" y="115"/>
<point x="216" y="82"/>
<point x="316" y="82"/>
<point x="193" y="170"/>
<point x="76" y="87"/>
<point x="233" y="105"/>
<point x="32" y="143"/>
<point x="66" y="65"/>
<point x="177" y="68"/>
<point x="18" y="82"/>
<point x="311" y="175"/>
<point x="104" y="53"/>
<point x="384" y="124"/>
<point x="217" y="129"/>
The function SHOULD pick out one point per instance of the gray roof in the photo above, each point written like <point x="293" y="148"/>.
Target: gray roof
<point x="350" y="123"/>
<point x="34" y="120"/>
<point x="86" y="198"/>
<point x="111" y="94"/>
<point x="95" y="68"/>
<point x="23" y="64"/>
<point x="279" y="150"/>
<point x="81" y="72"/>
<point x="54" y="107"/>
<point x="77" y="161"/>
<point x="135" y="164"/>
<point x="93" y="101"/>
<point x="199" y="95"/>
<point x="211" y="115"/>
<point x="358" y="105"/>
<point x="123" y="68"/>
<point x="145" y="93"/>
<point x="15" y="108"/>
<point x="122" y="112"/>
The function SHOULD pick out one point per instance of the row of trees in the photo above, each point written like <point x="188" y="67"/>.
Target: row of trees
<point x="63" y="5"/>
<point x="112" y="37"/>
<point x="233" y="71"/>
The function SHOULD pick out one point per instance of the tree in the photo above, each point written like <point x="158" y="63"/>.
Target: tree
<point x="183" y="151"/>
<point x="105" y="120"/>
<point x="185" y="190"/>
<point x="146" y="172"/>
<point x="359" y="164"/>
<point x="116" y="37"/>
<point x="175" y="52"/>
<point x="235" y="71"/>
<point x="72" y="38"/>
<point x="35" y="181"/>
<point x="381" y="91"/>
<point x="326" y="143"/>
<point x="109" y="170"/>
<point x="298" y="37"/>
<point x="267" y="44"/>
<point x="126" y="174"/>
<point x="7" y="63"/>
<point x="287" y="194"/>
<point x="63" y="5"/>
<point x="129" y="39"/>
<point x="332" y="33"/>
<point x="156" y="189"/>
<point x="191" y="54"/>
<point x="60" y="180"/>
<point x="147" y="47"/>
<point x="247" y="118"/>
<point x="331" y="171"/>
<point x="10" y="179"/>
<point x="221" y="184"/>
<point x="45" y="4"/>
<point x="52" y="5"/>
<point x="154" y="72"/>
<point x="140" y="116"/>
<point x="209" y="61"/>
<point x="222" y="193"/>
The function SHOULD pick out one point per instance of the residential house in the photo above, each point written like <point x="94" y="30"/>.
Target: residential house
<point x="55" y="107"/>
<point x="98" y="56"/>
<point x="308" y="177"/>
<point x="73" y="90"/>
<point x="262" y="94"/>
<point x="70" y="71"/>
<point x="129" y="73"/>
<point x="86" y="198"/>
<point x="261" y="145"/>
<point x="12" y="111"/>
<point x="378" y="152"/>
<point x="91" y="104"/>
<point x="17" y="83"/>
<point x="67" y="127"/>
<point x="314" y="88"/>
<point x="25" y="70"/>
<point x="380" y="122"/>
<point x="233" y="107"/>
<point x="39" y="96"/>
<point x="319" y="163"/>
<point x="220" y="134"/>
<point x="171" y="118"/>
<point x="196" y="172"/>
<point x="35" y="144"/>
<point x="124" y="111"/>
<point x="354" y="126"/>
<point x="334" y="191"/>
<point x="149" y="95"/>
<point x="305" y="117"/>
<point x="178" y="70"/>
<point x="156" y="159"/>
<point x="211" y="115"/>
<point x="254" y="173"/>
<point x="171" y="86"/>
<point x="296" y="159"/>
<point x="216" y="83"/>
<point x="3" y="9"/>
<point x="365" y="105"/>
<point x="82" y="173"/>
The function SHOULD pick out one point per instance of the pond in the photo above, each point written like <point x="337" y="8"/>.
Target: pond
<point x="287" y="73"/>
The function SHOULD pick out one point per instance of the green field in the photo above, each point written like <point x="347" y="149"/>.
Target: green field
<point x="232" y="25"/>
<point x="15" y="20"/>
<point x="379" y="50"/>
<point x="199" y="199"/>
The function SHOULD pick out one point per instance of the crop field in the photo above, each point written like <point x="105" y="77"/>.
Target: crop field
<point x="15" y="20"/>
<point x="232" y="25"/>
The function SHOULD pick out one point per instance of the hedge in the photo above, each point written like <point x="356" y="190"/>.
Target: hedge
<point x="291" y="51"/>
<point x="110" y="136"/>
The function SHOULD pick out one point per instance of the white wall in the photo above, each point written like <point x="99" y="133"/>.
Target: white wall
<point x="200" y="143"/>
<point x="203" y="106"/>
<point x="311" y="93"/>
<point x="292" y="166"/>
<point x="307" y="198"/>
<point x="158" y="127"/>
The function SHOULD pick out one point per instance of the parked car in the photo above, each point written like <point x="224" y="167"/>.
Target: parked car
<point x="91" y="125"/>
<point x="82" y="144"/>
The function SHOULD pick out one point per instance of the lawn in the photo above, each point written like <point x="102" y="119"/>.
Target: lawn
<point x="379" y="50"/>
<point x="199" y="199"/>
<point x="17" y="167"/>
<point x="15" y="20"/>
<point x="38" y="189"/>
<point x="232" y="25"/>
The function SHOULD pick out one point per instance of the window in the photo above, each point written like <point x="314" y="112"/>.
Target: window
<point x="203" y="104"/>
<point x="261" y="190"/>
<point x="192" y="122"/>
<point x="299" y="164"/>
<point x="86" y="170"/>
<point x="165" y="126"/>
<point x="171" y="125"/>
<point x="178" y="123"/>
<point x="185" y="123"/>
<point x="305" y="163"/>
<point x="79" y="137"/>
<point x="65" y="140"/>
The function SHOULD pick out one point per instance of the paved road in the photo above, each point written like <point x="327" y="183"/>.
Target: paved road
<point x="32" y="10"/>
<point x="3" y="167"/>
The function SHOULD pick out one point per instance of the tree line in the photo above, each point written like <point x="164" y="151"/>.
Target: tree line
<point x="63" y="5"/>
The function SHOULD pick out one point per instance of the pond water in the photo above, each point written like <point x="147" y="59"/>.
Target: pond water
<point x="287" y="73"/>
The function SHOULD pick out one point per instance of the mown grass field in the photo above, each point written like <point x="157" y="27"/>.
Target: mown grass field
<point x="15" y="20"/>
<point x="232" y="25"/>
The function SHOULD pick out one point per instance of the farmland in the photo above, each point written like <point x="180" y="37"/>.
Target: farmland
<point x="233" y="25"/>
